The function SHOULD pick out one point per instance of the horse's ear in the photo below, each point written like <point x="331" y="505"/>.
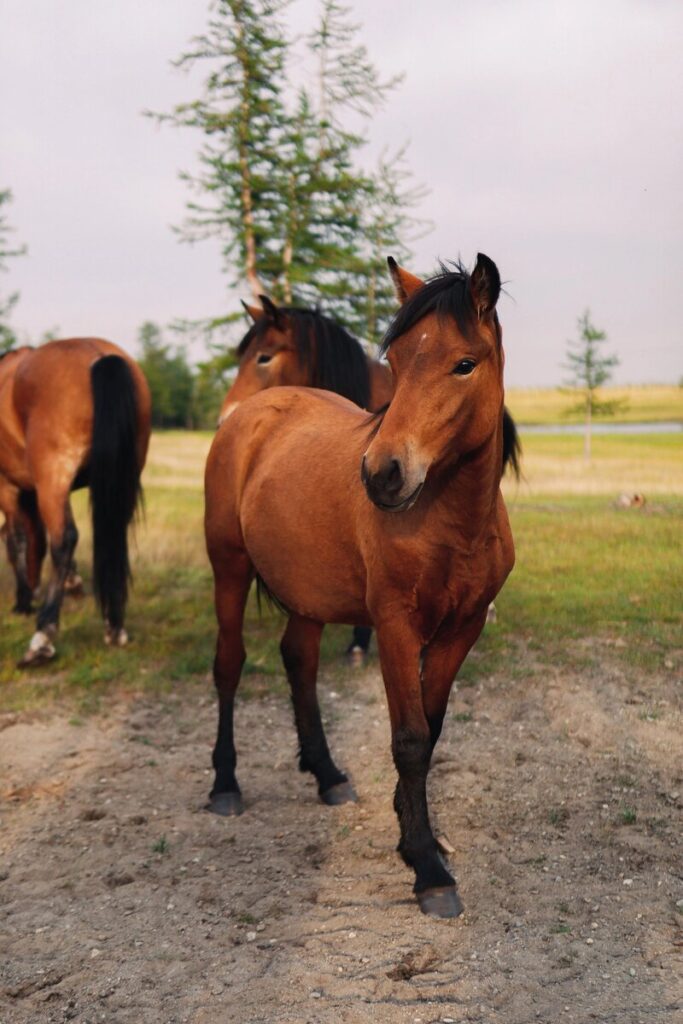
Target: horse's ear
<point x="275" y="315"/>
<point x="484" y="286"/>
<point x="405" y="283"/>
<point x="252" y="311"/>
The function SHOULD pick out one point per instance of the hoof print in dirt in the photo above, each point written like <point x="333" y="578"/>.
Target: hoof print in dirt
<point x="342" y="793"/>
<point x="228" y="805"/>
<point x="440" y="902"/>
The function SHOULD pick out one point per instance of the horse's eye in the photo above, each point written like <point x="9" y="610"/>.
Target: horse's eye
<point x="464" y="367"/>
<point x="263" y="358"/>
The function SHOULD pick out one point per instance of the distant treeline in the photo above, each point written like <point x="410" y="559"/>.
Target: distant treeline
<point x="182" y="395"/>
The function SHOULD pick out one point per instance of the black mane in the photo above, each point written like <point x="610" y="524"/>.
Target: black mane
<point x="447" y="294"/>
<point x="335" y="358"/>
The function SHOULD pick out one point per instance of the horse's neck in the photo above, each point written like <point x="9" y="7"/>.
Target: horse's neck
<point x="469" y="495"/>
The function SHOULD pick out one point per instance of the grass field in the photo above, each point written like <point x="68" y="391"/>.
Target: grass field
<point x="654" y="403"/>
<point x="589" y="578"/>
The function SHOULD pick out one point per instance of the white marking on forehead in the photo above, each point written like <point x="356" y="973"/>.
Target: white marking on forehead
<point x="424" y="337"/>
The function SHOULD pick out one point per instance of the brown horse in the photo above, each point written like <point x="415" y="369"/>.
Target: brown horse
<point x="73" y="413"/>
<point x="288" y="345"/>
<point x="396" y="521"/>
<point x="295" y="346"/>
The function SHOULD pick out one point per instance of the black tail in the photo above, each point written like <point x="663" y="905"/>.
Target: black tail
<point x="114" y="482"/>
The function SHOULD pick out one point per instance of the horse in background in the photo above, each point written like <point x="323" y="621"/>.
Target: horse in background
<point x="394" y="520"/>
<point x="291" y="345"/>
<point x="73" y="413"/>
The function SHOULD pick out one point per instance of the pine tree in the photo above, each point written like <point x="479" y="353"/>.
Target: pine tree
<point x="589" y="370"/>
<point x="7" y="302"/>
<point x="280" y="182"/>
<point x="169" y="377"/>
<point x="333" y="252"/>
<point x="389" y="230"/>
<point x="239" y="186"/>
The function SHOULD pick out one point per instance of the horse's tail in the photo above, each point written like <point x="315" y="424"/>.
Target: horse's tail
<point x="114" y="482"/>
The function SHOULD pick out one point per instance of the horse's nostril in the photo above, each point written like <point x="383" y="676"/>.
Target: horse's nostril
<point x="393" y="480"/>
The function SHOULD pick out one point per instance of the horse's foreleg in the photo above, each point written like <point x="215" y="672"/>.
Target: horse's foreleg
<point x="440" y="664"/>
<point x="232" y="580"/>
<point x="55" y="512"/>
<point x="412" y="745"/>
<point x="300" y="650"/>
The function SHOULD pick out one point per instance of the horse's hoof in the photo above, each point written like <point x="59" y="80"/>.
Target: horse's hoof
<point x="342" y="793"/>
<point x="40" y="650"/>
<point x="356" y="657"/>
<point x="73" y="586"/>
<point x="21" y="609"/>
<point x="441" y="901"/>
<point x="228" y="805"/>
<point x="115" y="637"/>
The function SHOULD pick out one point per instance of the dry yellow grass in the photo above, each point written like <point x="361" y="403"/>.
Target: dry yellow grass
<point x="650" y="464"/>
<point x="643" y="404"/>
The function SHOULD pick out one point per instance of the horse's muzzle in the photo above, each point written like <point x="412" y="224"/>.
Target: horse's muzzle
<point x="386" y="487"/>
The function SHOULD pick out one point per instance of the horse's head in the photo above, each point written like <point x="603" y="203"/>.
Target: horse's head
<point x="445" y="350"/>
<point x="269" y="356"/>
<point x="292" y="345"/>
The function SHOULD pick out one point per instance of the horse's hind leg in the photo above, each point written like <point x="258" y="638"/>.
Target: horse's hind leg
<point x="55" y="512"/>
<point x="300" y="650"/>
<point x="17" y="539"/>
<point x="36" y="542"/>
<point x="233" y="575"/>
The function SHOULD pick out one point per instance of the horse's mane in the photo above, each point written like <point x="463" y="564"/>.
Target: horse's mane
<point x="512" y="446"/>
<point x="335" y="358"/>
<point x="447" y="294"/>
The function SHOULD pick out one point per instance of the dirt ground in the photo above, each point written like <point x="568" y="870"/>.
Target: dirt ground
<point x="122" y="900"/>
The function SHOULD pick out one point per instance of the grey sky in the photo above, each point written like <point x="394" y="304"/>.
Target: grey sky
<point x="549" y="133"/>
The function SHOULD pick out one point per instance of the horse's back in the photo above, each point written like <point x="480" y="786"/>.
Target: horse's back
<point x="59" y="373"/>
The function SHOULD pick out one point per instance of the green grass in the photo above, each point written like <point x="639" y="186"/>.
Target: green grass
<point x="654" y="403"/>
<point x="591" y="581"/>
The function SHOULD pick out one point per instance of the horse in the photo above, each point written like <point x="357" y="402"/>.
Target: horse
<point x="292" y="345"/>
<point x="73" y="413"/>
<point x="296" y="346"/>
<point x="394" y="520"/>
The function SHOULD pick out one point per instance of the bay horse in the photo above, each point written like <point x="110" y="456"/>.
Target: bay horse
<point x="298" y="346"/>
<point x="395" y="521"/>
<point x="292" y="345"/>
<point x="73" y="413"/>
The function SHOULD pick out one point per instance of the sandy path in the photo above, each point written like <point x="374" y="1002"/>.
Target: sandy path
<point x="122" y="900"/>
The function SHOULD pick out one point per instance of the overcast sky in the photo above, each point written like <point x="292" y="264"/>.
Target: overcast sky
<point x="549" y="133"/>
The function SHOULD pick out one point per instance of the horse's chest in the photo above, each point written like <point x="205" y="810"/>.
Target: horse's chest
<point x="455" y="586"/>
